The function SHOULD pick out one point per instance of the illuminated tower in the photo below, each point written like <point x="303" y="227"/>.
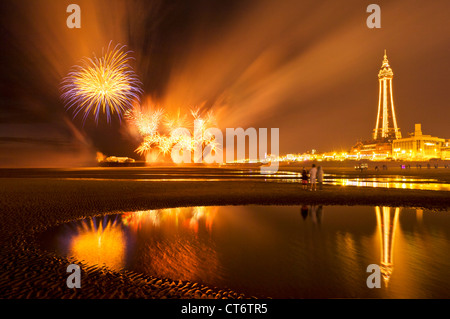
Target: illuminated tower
<point x="387" y="226"/>
<point x="386" y="127"/>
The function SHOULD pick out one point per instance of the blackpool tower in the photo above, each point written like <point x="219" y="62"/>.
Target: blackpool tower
<point x="386" y="128"/>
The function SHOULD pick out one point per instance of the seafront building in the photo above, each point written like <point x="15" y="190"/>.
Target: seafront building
<point x="419" y="146"/>
<point x="387" y="142"/>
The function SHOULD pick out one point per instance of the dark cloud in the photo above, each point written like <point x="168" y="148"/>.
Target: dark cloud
<point x="29" y="140"/>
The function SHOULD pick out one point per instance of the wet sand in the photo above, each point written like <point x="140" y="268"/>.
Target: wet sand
<point x="31" y="205"/>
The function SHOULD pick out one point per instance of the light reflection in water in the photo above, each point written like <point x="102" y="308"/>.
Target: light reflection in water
<point x="387" y="226"/>
<point x="183" y="249"/>
<point x="394" y="182"/>
<point x="391" y="181"/>
<point x="278" y="251"/>
<point x="99" y="244"/>
<point x="187" y="217"/>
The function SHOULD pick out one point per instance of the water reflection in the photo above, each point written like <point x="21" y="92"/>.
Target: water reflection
<point x="187" y="217"/>
<point x="276" y="251"/>
<point x="315" y="212"/>
<point x="284" y="177"/>
<point x="387" y="226"/>
<point x="175" y="243"/>
<point x="391" y="182"/>
<point x="97" y="242"/>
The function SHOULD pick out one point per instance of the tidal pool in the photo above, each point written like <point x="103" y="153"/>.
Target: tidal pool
<point x="273" y="251"/>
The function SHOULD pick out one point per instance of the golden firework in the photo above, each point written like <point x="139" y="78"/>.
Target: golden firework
<point x="107" y="84"/>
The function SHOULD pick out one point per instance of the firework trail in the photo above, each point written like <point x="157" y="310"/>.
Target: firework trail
<point x="106" y="84"/>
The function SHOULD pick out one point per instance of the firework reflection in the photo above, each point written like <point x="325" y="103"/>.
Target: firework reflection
<point x="99" y="242"/>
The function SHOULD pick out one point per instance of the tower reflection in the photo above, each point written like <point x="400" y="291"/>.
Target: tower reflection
<point x="387" y="220"/>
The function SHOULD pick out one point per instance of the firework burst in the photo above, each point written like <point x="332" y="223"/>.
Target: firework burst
<point x="147" y="123"/>
<point x="107" y="84"/>
<point x="162" y="138"/>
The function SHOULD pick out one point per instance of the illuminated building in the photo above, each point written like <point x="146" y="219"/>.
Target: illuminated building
<point x="387" y="142"/>
<point x="386" y="126"/>
<point x="445" y="150"/>
<point x="386" y="129"/>
<point x="114" y="159"/>
<point x="372" y="150"/>
<point x="418" y="146"/>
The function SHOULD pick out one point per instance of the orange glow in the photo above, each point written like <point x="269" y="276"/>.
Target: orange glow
<point x="102" y="246"/>
<point x="100" y="157"/>
<point x="188" y="217"/>
<point x="192" y="257"/>
<point x="157" y="129"/>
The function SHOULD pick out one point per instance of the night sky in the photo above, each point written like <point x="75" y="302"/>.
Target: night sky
<point x="308" y="68"/>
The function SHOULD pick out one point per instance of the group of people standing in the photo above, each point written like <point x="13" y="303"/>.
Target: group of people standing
<point x="314" y="176"/>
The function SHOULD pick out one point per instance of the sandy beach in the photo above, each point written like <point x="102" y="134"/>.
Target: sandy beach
<point x="31" y="201"/>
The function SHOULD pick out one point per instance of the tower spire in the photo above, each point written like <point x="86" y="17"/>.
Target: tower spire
<point x="386" y="127"/>
<point x="385" y="61"/>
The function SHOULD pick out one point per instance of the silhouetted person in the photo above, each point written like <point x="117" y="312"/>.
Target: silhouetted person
<point x="319" y="214"/>
<point x="313" y="177"/>
<point x="304" y="179"/>
<point x="320" y="177"/>
<point x="313" y="214"/>
<point x="304" y="211"/>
